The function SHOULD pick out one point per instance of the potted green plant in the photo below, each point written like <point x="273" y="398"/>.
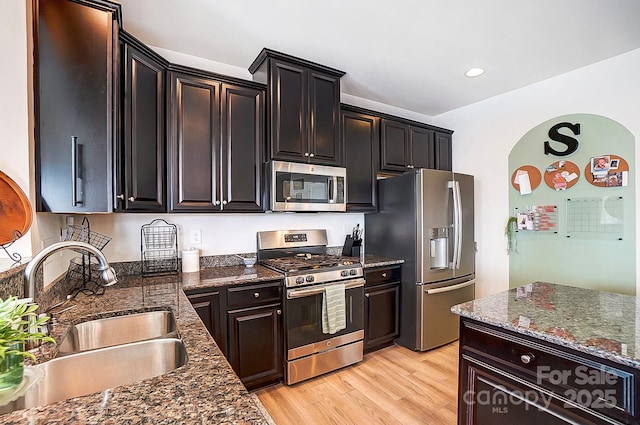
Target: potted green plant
<point x="510" y="232"/>
<point x="19" y="324"/>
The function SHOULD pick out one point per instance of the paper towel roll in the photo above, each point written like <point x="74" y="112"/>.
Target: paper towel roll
<point x="190" y="261"/>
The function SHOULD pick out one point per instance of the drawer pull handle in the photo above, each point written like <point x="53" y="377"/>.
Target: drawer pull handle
<point x="256" y="295"/>
<point x="527" y="358"/>
<point x="279" y="312"/>
<point x="384" y="274"/>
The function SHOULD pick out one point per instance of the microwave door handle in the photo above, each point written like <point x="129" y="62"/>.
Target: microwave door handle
<point x="332" y="187"/>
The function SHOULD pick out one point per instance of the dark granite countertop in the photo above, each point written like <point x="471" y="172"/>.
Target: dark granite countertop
<point x="372" y="260"/>
<point x="204" y="391"/>
<point x="594" y="322"/>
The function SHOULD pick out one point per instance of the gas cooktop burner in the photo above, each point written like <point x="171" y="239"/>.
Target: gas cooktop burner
<point x="308" y="261"/>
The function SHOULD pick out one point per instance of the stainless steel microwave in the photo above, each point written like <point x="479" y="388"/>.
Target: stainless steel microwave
<point x="307" y="187"/>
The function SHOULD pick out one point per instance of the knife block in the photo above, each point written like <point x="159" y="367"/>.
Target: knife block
<point x="351" y="247"/>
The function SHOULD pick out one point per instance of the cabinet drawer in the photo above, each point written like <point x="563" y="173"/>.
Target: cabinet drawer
<point x="591" y="382"/>
<point x="380" y="275"/>
<point x="247" y="296"/>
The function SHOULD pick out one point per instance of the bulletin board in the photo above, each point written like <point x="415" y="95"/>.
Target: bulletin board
<point x="591" y="231"/>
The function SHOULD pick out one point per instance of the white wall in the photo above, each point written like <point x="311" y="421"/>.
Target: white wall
<point x="486" y="132"/>
<point x="14" y="112"/>
<point x="221" y="233"/>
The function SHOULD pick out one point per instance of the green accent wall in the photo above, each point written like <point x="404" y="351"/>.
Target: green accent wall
<point x="598" y="261"/>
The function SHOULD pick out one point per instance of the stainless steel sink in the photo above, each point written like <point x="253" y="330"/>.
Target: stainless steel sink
<point x="118" y="330"/>
<point x="97" y="370"/>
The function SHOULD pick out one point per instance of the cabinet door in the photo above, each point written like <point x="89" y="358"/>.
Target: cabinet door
<point x="74" y="47"/>
<point x="242" y="140"/>
<point x="143" y="154"/>
<point x="325" y="145"/>
<point x="194" y="140"/>
<point x="489" y="397"/>
<point x="443" y="152"/>
<point x="394" y="145"/>
<point x="209" y="307"/>
<point x="422" y="147"/>
<point x="289" y="111"/>
<point x="360" y="137"/>
<point x="255" y="344"/>
<point x="382" y="320"/>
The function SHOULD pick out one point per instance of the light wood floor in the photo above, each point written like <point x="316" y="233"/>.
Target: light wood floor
<point x="391" y="386"/>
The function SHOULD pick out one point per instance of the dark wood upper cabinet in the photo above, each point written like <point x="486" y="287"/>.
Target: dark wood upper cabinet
<point x="141" y="155"/>
<point x="194" y="143"/>
<point x="443" y="152"/>
<point x="242" y="140"/>
<point x="421" y="147"/>
<point x="406" y="145"/>
<point x="394" y="142"/>
<point x="214" y="147"/>
<point x="303" y="108"/>
<point x="75" y="80"/>
<point x="360" y="137"/>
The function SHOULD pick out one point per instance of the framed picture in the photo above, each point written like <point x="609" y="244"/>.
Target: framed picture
<point x="613" y="164"/>
<point x="600" y="164"/>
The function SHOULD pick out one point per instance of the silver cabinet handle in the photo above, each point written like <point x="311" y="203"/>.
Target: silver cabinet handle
<point x="121" y="197"/>
<point x="312" y="155"/>
<point x="384" y="274"/>
<point x="224" y="202"/>
<point x="366" y="295"/>
<point x="217" y="203"/>
<point x="256" y="295"/>
<point x="527" y="358"/>
<point x="131" y="199"/>
<point x="74" y="171"/>
<point x="306" y="154"/>
<point x="278" y="312"/>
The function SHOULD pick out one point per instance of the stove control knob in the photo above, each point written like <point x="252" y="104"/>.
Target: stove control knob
<point x="309" y="278"/>
<point x="300" y="280"/>
<point x="344" y="273"/>
<point x="353" y="272"/>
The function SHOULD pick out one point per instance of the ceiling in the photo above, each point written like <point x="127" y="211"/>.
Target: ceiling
<point x="410" y="54"/>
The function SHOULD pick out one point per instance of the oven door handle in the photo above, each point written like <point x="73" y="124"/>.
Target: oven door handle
<point x="319" y="289"/>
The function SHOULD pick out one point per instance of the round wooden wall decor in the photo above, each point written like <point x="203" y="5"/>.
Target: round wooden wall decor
<point x="534" y="177"/>
<point x="15" y="210"/>
<point x="605" y="170"/>
<point x="561" y="175"/>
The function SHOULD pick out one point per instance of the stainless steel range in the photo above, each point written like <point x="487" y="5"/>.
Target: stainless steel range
<point x="310" y="275"/>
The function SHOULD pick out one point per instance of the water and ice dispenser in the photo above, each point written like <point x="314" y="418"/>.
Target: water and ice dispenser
<point x="439" y="248"/>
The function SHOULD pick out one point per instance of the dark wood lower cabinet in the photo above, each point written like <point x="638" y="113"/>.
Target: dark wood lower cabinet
<point x="210" y="308"/>
<point x="509" y="378"/>
<point x="246" y="323"/>
<point x="381" y="307"/>
<point x="255" y="344"/>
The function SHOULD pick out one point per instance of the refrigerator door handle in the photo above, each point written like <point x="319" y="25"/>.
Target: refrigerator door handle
<point x="459" y="226"/>
<point x="450" y="288"/>
<point x="457" y="223"/>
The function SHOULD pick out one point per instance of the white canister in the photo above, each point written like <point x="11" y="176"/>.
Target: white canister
<point x="191" y="260"/>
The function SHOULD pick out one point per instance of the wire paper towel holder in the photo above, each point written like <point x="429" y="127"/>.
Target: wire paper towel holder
<point x="159" y="248"/>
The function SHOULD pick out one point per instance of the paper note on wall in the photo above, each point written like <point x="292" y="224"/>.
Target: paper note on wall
<point x="524" y="182"/>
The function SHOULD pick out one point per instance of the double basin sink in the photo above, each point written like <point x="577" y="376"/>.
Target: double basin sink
<point x="100" y="354"/>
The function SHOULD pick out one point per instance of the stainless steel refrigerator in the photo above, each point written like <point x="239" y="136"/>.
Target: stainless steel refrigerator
<point x="426" y="218"/>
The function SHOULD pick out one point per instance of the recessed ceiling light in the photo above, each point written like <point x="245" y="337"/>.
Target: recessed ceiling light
<point x="474" y="72"/>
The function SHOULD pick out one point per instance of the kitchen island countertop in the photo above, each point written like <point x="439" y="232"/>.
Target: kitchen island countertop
<point x="204" y="391"/>
<point x="594" y="322"/>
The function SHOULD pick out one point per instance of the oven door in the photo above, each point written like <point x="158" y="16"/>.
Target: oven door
<point x="303" y="318"/>
<point x="307" y="187"/>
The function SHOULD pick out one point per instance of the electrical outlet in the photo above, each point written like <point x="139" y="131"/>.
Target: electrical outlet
<point x="196" y="237"/>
